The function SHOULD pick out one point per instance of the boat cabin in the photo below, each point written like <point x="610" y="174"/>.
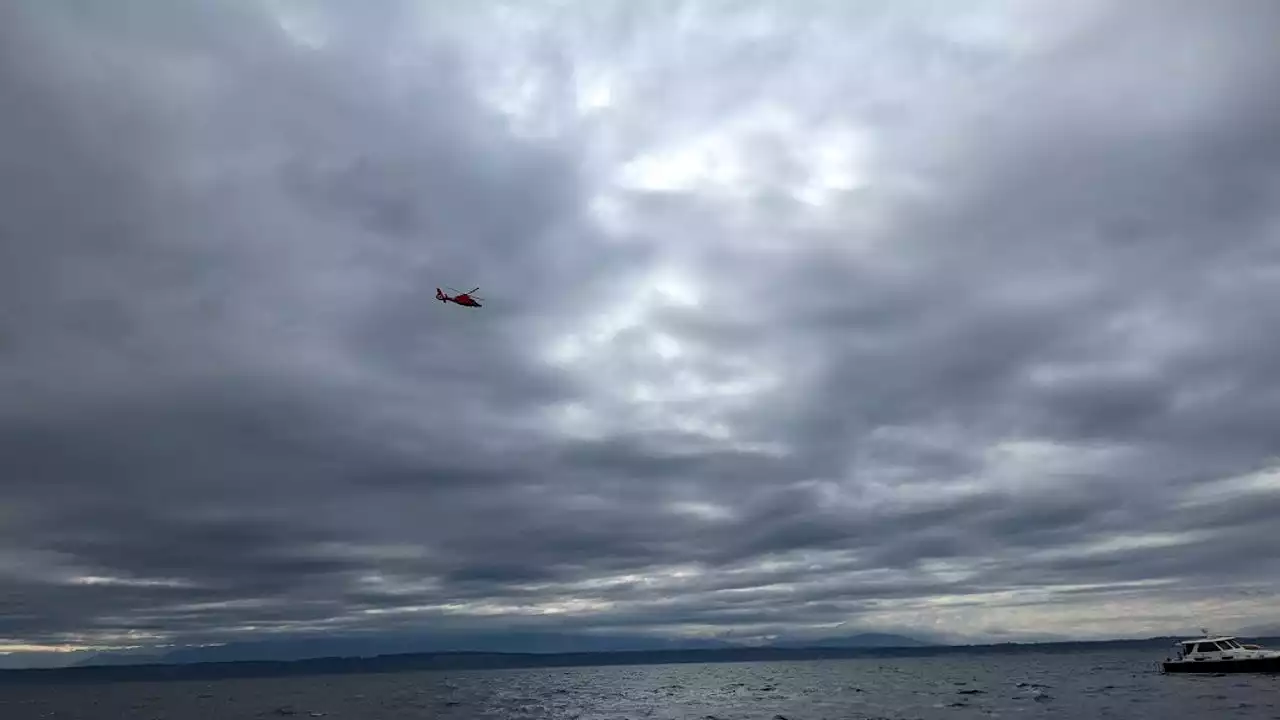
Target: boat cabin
<point x="1206" y="648"/>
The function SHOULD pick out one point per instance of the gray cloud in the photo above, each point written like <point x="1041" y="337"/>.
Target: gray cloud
<point x="794" y="324"/>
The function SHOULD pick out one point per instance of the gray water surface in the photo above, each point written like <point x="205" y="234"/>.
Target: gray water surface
<point x="1026" y="685"/>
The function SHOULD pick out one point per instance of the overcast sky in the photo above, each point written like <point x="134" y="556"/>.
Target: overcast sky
<point x="800" y="318"/>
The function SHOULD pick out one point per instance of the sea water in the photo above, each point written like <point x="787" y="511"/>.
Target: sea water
<point x="1070" y="686"/>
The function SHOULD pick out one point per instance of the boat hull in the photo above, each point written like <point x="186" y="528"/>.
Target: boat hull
<point x="1214" y="667"/>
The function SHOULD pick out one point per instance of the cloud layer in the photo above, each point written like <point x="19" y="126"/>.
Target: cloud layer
<point x="798" y="320"/>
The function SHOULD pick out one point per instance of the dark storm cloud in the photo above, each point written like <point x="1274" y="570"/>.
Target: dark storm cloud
<point x="1007" y="365"/>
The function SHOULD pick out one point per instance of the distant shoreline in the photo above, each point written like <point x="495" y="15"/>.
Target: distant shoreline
<point x="466" y="661"/>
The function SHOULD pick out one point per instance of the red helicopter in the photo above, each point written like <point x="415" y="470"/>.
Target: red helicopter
<point x="459" y="298"/>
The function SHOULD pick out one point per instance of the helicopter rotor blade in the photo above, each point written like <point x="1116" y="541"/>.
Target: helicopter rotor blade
<point x="472" y="290"/>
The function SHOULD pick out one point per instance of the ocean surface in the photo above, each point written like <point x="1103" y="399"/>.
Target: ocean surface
<point x="1070" y="686"/>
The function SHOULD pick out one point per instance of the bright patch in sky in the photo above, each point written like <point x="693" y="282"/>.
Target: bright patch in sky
<point x="129" y="582"/>
<point x="836" y="162"/>
<point x="1125" y="543"/>
<point x="709" y="164"/>
<point x="1257" y="484"/>
<point x="594" y="91"/>
<point x="302" y="26"/>
<point x="701" y="510"/>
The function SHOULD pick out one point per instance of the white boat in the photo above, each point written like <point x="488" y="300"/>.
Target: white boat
<point x="1221" y="654"/>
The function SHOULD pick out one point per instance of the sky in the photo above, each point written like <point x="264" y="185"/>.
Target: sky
<point x="800" y="319"/>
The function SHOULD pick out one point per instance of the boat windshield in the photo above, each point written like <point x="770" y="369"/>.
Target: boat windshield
<point x="1212" y="646"/>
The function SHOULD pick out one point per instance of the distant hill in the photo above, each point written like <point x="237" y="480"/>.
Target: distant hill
<point x="497" y="660"/>
<point x="437" y="643"/>
<point x="101" y="659"/>
<point x="528" y="642"/>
